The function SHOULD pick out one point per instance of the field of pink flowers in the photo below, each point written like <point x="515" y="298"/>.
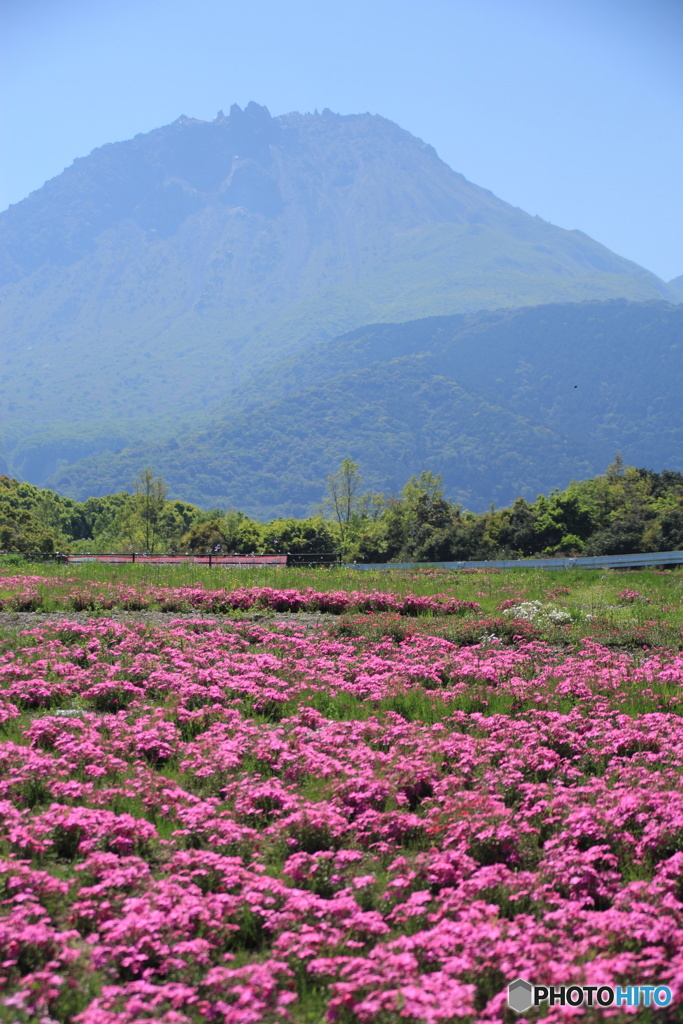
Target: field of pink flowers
<point x="32" y="593"/>
<point x="240" y="823"/>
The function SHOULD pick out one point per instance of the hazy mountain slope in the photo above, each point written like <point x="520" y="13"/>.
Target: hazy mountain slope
<point x="395" y="419"/>
<point x="145" y="283"/>
<point x="604" y="366"/>
<point x="503" y="404"/>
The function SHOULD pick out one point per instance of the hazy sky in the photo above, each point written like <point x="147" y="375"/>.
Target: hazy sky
<point x="570" y="109"/>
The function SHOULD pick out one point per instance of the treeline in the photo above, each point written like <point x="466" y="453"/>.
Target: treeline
<point x="621" y="511"/>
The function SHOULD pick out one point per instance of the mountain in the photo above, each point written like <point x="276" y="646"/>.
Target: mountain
<point x="676" y="286"/>
<point x="142" y="287"/>
<point x="503" y="404"/>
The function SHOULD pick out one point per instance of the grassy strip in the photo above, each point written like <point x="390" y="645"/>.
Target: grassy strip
<point x="628" y="609"/>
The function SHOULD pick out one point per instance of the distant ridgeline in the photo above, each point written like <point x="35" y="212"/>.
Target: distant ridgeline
<point x="621" y="511"/>
<point x="152" y="291"/>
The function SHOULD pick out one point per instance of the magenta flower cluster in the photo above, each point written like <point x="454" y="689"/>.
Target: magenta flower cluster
<point x="631" y="596"/>
<point x="239" y="825"/>
<point x="26" y="593"/>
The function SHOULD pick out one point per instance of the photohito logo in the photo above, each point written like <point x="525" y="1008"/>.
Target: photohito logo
<point x="522" y="995"/>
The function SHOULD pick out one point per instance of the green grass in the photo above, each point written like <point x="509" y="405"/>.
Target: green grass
<point x="591" y="586"/>
<point x="589" y="596"/>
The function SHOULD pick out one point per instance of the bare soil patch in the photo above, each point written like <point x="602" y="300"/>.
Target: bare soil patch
<point x="31" y="620"/>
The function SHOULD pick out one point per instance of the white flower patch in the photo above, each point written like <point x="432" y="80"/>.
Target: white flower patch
<point x="489" y="638"/>
<point x="536" y="611"/>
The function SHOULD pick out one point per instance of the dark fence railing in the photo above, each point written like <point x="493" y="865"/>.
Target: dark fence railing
<point x="309" y="559"/>
<point x="212" y="559"/>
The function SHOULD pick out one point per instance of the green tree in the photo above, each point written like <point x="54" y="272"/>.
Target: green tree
<point x="205" y="537"/>
<point x="49" y="515"/>
<point x="343" y="502"/>
<point x="624" y="510"/>
<point x="102" y="516"/>
<point x="298" y="536"/>
<point x="233" y="534"/>
<point x="427" y="516"/>
<point x="147" y="506"/>
<point x="20" y="531"/>
<point x="29" y="518"/>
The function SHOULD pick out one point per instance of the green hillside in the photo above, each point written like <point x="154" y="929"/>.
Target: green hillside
<point x="503" y="405"/>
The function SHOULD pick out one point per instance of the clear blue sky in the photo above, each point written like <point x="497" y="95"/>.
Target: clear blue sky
<point x="570" y="109"/>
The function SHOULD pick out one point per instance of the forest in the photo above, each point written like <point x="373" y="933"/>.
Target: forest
<point x="574" y="383"/>
<point x="623" y="510"/>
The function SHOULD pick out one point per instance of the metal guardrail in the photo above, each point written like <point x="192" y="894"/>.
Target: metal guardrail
<point x="596" y="562"/>
<point x="635" y="561"/>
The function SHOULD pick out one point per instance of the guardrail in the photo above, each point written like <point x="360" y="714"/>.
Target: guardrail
<point x="642" y="560"/>
<point x="667" y="558"/>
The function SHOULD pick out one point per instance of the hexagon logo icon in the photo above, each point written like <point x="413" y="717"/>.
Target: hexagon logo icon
<point x="520" y="995"/>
